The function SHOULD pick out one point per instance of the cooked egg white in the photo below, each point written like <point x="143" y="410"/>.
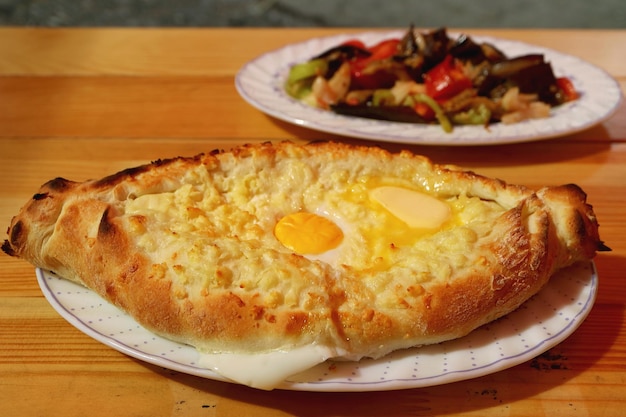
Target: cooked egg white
<point x="402" y="214"/>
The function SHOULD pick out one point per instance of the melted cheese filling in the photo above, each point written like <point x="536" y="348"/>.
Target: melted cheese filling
<point x="267" y="370"/>
<point x="367" y="223"/>
<point x="212" y="232"/>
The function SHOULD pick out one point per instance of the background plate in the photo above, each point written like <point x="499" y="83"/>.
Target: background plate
<point x="541" y="323"/>
<point x="260" y="82"/>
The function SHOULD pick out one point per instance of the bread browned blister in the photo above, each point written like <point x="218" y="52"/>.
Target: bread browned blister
<point x="186" y="246"/>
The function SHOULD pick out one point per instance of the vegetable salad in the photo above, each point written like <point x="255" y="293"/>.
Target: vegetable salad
<point x="428" y="77"/>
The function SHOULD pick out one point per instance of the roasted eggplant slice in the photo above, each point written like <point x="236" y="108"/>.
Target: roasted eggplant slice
<point x="344" y="51"/>
<point x="538" y="79"/>
<point x="402" y="114"/>
<point x="529" y="72"/>
<point x="466" y="49"/>
<point x="510" y="67"/>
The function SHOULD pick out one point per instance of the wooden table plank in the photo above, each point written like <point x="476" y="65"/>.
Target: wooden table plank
<point x="83" y="103"/>
<point x="189" y="52"/>
<point x="159" y="107"/>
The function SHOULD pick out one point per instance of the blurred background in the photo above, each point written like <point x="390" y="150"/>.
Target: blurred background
<point x="331" y="13"/>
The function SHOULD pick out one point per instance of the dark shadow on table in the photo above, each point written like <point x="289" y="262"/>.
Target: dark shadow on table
<point x="524" y="153"/>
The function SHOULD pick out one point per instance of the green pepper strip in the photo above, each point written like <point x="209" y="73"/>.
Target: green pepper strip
<point x="475" y="116"/>
<point x="382" y="98"/>
<point x="301" y="77"/>
<point x="439" y="114"/>
<point x="306" y="70"/>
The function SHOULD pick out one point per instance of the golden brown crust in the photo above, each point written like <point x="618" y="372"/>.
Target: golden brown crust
<point x="250" y="296"/>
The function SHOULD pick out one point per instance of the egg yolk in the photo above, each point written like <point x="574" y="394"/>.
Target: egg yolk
<point x="308" y="233"/>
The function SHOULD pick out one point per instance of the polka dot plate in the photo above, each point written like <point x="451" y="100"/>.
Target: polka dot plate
<point x="542" y="322"/>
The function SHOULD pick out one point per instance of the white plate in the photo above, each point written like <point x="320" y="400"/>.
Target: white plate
<point x="541" y="323"/>
<point x="260" y="82"/>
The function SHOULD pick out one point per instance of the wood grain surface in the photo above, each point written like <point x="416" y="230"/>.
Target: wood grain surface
<point x="84" y="103"/>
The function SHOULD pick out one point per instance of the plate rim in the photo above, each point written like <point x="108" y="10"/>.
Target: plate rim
<point x="291" y="384"/>
<point x="290" y="110"/>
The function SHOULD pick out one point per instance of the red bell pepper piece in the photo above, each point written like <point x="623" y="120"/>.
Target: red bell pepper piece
<point x="384" y="49"/>
<point x="356" y="43"/>
<point x="424" y="110"/>
<point x="379" y="79"/>
<point x="568" y="89"/>
<point x="446" y="80"/>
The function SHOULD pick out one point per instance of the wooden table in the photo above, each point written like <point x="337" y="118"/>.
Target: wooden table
<point x="82" y="103"/>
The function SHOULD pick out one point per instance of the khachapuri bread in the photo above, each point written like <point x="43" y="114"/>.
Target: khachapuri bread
<point x="344" y="251"/>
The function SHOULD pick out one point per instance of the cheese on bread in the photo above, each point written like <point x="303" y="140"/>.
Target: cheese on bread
<point x="276" y="247"/>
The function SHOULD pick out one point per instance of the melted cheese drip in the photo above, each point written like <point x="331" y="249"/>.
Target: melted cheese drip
<point x="416" y="209"/>
<point x="266" y="370"/>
